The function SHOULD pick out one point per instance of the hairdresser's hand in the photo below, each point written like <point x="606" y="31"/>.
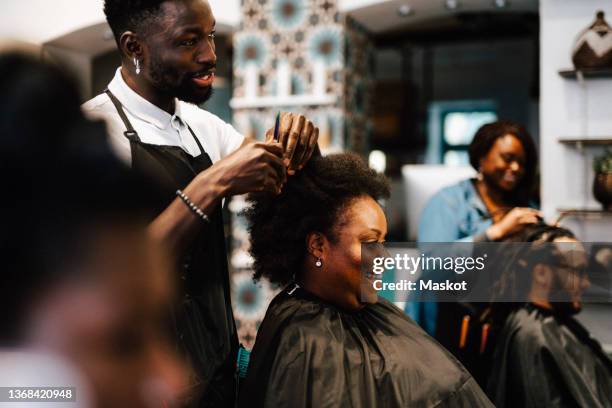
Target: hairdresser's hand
<point x="514" y="221"/>
<point x="252" y="168"/>
<point x="299" y="138"/>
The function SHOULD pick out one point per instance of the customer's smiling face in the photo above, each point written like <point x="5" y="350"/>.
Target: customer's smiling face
<point x="180" y="58"/>
<point x="362" y="221"/>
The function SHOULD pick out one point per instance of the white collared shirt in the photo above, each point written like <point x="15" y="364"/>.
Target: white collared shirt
<point x="158" y="127"/>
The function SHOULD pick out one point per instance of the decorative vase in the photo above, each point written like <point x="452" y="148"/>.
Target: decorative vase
<point x="593" y="47"/>
<point x="602" y="189"/>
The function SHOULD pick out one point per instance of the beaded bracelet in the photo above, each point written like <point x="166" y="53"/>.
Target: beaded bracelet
<point x="192" y="206"/>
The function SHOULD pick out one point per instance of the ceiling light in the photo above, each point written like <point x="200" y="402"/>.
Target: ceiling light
<point x="451" y="4"/>
<point x="500" y="3"/>
<point x="378" y="161"/>
<point x="404" y="10"/>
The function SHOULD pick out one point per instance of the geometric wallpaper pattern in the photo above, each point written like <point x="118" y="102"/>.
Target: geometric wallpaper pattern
<point x="298" y="32"/>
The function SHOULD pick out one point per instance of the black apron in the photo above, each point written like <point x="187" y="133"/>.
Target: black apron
<point x="205" y="327"/>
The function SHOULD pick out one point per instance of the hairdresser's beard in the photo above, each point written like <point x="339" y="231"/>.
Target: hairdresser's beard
<point x="169" y="81"/>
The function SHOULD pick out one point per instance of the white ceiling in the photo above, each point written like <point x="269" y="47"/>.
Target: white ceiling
<point x="38" y="21"/>
<point x="379" y="16"/>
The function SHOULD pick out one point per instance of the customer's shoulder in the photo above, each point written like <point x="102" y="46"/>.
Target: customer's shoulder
<point x="290" y="305"/>
<point x="527" y="328"/>
<point x="302" y="317"/>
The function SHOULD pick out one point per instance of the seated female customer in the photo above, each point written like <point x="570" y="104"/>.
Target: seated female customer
<point x="321" y="344"/>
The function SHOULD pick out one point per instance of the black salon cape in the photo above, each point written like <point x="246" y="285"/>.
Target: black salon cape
<point x="547" y="360"/>
<point x="311" y="354"/>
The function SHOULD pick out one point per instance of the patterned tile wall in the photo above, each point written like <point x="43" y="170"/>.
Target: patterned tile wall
<point x="302" y="33"/>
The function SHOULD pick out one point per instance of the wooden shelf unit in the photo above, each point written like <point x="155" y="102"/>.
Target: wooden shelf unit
<point x="590" y="213"/>
<point x="586" y="74"/>
<point x="586" y="141"/>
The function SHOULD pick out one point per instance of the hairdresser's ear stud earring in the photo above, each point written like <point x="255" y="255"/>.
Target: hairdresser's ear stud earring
<point x="137" y="64"/>
<point x="319" y="263"/>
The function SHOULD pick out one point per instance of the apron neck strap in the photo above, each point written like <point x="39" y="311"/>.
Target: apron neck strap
<point x="130" y="133"/>
<point x="196" y="139"/>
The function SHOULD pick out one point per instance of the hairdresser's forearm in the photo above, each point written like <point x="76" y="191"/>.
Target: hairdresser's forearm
<point x="177" y="225"/>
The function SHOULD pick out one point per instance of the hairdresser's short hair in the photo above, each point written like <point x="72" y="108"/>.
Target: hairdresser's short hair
<point x="131" y="15"/>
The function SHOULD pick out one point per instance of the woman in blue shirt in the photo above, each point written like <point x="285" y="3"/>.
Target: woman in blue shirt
<point x="488" y="208"/>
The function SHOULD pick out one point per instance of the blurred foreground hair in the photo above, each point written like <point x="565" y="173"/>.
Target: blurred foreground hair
<point x="60" y="182"/>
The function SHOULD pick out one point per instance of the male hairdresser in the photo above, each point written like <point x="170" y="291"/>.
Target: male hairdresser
<point x="168" y="66"/>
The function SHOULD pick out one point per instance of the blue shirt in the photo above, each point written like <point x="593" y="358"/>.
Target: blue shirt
<point x="455" y="213"/>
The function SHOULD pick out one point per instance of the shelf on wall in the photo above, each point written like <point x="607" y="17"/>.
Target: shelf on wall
<point x="586" y="73"/>
<point x="592" y="213"/>
<point x="280" y="101"/>
<point x="586" y="141"/>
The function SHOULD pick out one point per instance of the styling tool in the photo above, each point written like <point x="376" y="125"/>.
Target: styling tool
<point x="277" y="127"/>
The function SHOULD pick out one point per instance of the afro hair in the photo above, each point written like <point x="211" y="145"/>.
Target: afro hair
<point x="312" y="200"/>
